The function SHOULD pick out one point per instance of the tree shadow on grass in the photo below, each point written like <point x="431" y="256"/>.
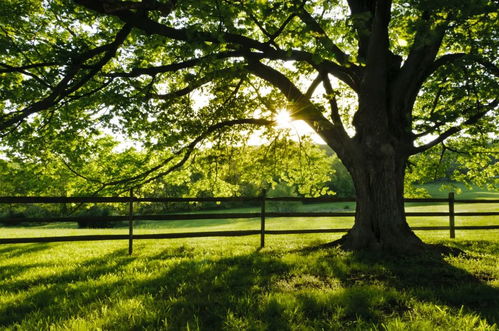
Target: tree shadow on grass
<point x="259" y="291"/>
<point x="185" y="287"/>
<point x="14" y="250"/>
<point x="216" y="293"/>
<point x="427" y="277"/>
<point x="54" y="293"/>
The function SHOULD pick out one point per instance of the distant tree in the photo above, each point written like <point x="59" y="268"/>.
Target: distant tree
<point x="223" y="170"/>
<point x="396" y="79"/>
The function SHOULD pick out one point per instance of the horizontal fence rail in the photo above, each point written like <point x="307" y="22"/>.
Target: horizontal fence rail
<point x="22" y="200"/>
<point x="220" y="216"/>
<point x="263" y="214"/>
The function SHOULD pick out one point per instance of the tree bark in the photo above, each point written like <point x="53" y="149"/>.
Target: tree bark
<point x="380" y="222"/>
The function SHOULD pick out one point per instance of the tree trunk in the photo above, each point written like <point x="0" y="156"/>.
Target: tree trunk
<point x="380" y="222"/>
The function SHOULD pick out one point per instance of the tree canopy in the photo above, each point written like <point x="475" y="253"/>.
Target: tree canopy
<point x="70" y="68"/>
<point x="380" y="81"/>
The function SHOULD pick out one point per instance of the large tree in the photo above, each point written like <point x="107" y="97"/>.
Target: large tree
<point x="378" y="80"/>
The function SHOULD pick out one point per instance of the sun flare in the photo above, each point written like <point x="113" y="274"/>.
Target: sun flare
<point x="283" y="119"/>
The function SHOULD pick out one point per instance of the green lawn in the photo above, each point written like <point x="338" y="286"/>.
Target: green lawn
<point x="229" y="284"/>
<point x="436" y="191"/>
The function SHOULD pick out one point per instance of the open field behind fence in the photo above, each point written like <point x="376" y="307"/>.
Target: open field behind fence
<point x="313" y="215"/>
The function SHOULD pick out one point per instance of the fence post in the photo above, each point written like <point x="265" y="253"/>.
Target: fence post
<point x="130" y="224"/>
<point x="262" y="219"/>
<point x="451" y="215"/>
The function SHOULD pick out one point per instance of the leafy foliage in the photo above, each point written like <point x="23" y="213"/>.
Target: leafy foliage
<point x="380" y="81"/>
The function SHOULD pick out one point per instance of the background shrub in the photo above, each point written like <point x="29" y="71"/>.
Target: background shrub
<point x="96" y="212"/>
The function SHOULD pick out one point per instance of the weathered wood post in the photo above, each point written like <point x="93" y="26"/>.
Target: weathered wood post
<point x="451" y="215"/>
<point x="262" y="219"/>
<point x="130" y="224"/>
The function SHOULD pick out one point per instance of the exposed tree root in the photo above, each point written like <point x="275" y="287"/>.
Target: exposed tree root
<point x="445" y="250"/>
<point x="415" y="248"/>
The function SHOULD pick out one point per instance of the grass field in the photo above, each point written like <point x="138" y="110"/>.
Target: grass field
<point x="229" y="284"/>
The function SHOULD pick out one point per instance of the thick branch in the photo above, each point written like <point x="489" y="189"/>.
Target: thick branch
<point x="234" y="41"/>
<point x="281" y="28"/>
<point x="188" y="34"/>
<point x="348" y="75"/>
<point x="372" y="118"/>
<point x="362" y="14"/>
<point x="378" y="50"/>
<point x="323" y="38"/>
<point x="21" y="69"/>
<point x="63" y="88"/>
<point x="229" y="72"/>
<point x="417" y="67"/>
<point x="113" y="6"/>
<point x="108" y="55"/>
<point x="313" y="86"/>
<point x="450" y="58"/>
<point x="302" y="108"/>
<point x="152" y="71"/>
<point x="440" y="62"/>
<point x="331" y="96"/>
<point x="455" y="129"/>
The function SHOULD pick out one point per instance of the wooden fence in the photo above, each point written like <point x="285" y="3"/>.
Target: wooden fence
<point x="131" y="200"/>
